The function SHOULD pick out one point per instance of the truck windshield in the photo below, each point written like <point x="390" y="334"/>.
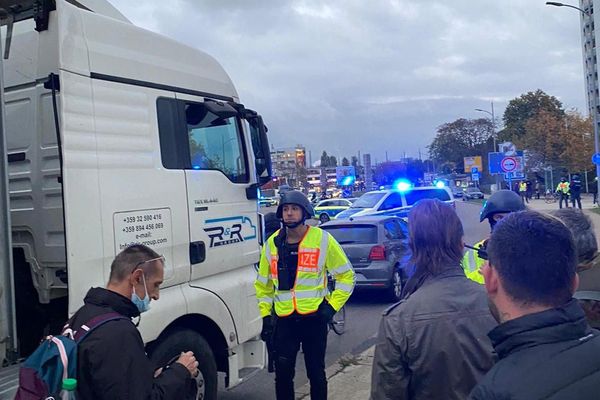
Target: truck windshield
<point x="368" y="200"/>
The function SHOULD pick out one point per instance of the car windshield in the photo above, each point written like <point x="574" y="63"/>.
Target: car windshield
<point x="415" y="195"/>
<point x="368" y="200"/>
<point x="353" y="233"/>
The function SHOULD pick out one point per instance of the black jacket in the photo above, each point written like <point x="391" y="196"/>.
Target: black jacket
<point x="433" y="344"/>
<point x="550" y="355"/>
<point x="112" y="363"/>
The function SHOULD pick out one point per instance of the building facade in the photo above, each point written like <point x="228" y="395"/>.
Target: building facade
<point x="289" y="164"/>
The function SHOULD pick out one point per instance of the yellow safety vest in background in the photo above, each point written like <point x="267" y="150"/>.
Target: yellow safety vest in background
<point x="472" y="264"/>
<point x="563" y="187"/>
<point x="522" y="187"/>
<point x="318" y="253"/>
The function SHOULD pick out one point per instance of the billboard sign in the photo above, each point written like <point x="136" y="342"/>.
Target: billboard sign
<point x="473" y="162"/>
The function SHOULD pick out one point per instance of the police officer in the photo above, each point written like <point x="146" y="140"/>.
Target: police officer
<point x="495" y="208"/>
<point x="293" y="299"/>
<point x="575" y="188"/>
<point x="563" y="190"/>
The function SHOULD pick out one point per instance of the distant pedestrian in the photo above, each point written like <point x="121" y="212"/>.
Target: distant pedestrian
<point x="538" y="190"/>
<point x="433" y="345"/>
<point x="588" y="292"/>
<point x="529" y="190"/>
<point x="563" y="191"/>
<point x="546" y="348"/>
<point x="523" y="192"/>
<point x="575" y="190"/>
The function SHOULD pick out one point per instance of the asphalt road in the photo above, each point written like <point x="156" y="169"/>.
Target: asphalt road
<point x="363" y="313"/>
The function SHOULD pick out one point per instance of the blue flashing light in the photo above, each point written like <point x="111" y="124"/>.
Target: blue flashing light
<point x="439" y="185"/>
<point x="402" y="185"/>
<point x="348" y="181"/>
<point x="196" y="166"/>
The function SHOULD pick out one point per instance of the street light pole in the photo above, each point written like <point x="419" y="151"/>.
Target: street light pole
<point x="493" y="136"/>
<point x="594" y="97"/>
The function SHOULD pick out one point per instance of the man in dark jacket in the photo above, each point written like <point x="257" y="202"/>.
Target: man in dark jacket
<point x="433" y="344"/>
<point x="575" y="187"/>
<point x="546" y="348"/>
<point x="112" y="363"/>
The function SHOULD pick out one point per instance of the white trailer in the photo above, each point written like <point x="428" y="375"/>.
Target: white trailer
<point x="116" y="135"/>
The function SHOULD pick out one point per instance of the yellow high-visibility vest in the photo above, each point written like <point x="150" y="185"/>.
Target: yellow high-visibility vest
<point x="318" y="254"/>
<point x="472" y="264"/>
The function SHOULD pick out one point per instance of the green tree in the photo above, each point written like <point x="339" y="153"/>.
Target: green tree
<point x="325" y="159"/>
<point x="525" y="107"/>
<point x="354" y="162"/>
<point x="345" y="162"/>
<point x="332" y="161"/>
<point x="459" y="139"/>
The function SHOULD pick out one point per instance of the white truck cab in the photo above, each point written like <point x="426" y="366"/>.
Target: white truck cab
<point x="116" y="135"/>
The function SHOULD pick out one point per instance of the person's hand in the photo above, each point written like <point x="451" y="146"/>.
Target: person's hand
<point x="326" y="311"/>
<point x="267" y="328"/>
<point x="188" y="360"/>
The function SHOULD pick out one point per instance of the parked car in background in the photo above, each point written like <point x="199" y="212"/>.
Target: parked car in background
<point x="472" y="193"/>
<point x="328" y="209"/>
<point x="394" y="202"/>
<point x="457" y="191"/>
<point x="377" y="248"/>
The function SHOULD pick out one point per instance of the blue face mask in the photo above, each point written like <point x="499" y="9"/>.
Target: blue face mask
<point x="142" y="305"/>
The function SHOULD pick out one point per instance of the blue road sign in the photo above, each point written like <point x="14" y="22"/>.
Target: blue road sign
<point x="474" y="170"/>
<point x="495" y="161"/>
<point x="514" y="175"/>
<point x="596" y="158"/>
<point x="475" y="176"/>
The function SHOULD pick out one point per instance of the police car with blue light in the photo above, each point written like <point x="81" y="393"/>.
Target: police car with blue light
<point x="396" y="201"/>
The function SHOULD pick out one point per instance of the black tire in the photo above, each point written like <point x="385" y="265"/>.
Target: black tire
<point x="324" y="218"/>
<point x="189" y="340"/>
<point x="396" y="286"/>
<point x="338" y="322"/>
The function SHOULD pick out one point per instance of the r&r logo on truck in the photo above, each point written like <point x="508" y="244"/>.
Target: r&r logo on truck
<point x="230" y="230"/>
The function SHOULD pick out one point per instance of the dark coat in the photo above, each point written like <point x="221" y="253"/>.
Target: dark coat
<point x="433" y="344"/>
<point x="112" y="363"/>
<point x="551" y="355"/>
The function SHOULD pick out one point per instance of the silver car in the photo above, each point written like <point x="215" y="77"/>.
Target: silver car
<point x="377" y="248"/>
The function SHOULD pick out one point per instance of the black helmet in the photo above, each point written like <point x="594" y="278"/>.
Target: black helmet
<point x="503" y="201"/>
<point x="297" y="198"/>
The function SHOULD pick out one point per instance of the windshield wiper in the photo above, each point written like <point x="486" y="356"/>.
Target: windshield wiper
<point x="347" y="241"/>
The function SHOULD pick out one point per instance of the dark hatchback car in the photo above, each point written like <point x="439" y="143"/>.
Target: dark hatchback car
<point x="378" y="250"/>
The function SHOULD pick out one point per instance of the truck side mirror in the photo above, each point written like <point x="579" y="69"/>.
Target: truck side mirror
<point x="260" y="146"/>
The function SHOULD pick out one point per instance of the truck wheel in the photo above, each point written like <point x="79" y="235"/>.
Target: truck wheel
<point x="188" y="340"/>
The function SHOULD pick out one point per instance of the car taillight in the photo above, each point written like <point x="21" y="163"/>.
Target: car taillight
<point x="377" y="253"/>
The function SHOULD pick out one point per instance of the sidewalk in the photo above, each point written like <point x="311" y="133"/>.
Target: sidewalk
<point x="586" y="205"/>
<point x="349" y="378"/>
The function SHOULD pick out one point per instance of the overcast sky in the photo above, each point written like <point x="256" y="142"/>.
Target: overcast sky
<point x="378" y="75"/>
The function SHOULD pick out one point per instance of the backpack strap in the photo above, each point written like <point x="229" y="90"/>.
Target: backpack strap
<point x="90" y="325"/>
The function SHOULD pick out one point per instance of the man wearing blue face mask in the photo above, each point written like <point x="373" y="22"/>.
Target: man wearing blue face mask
<point x="111" y="360"/>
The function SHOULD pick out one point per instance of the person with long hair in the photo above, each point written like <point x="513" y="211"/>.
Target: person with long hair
<point x="433" y="343"/>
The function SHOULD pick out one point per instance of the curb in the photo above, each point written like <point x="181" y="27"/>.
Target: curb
<point x="346" y="375"/>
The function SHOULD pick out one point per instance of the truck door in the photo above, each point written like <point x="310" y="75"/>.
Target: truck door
<point x="224" y="230"/>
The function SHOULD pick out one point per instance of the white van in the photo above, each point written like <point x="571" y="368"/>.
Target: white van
<point x="117" y="135"/>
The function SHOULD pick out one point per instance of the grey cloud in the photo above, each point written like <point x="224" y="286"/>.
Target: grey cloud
<point x="331" y="74"/>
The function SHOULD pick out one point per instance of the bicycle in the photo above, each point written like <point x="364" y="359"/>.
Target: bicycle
<point x="550" y="197"/>
<point x="338" y="322"/>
